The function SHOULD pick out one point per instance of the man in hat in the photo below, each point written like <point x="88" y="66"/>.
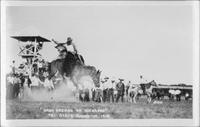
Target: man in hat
<point x="68" y="47"/>
<point x="13" y="67"/>
<point x="111" y="88"/>
<point x="63" y="46"/>
<point x="73" y="47"/>
<point x="16" y="87"/>
<point x="178" y="94"/>
<point x="143" y="83"/>
<point x="127" y="87"/>
<point x="62" y="49"/>
<point x="105" y="89"/>
<point x="142" y="80"/>
<point x="120" y="90"/>
<point x="9" y="87"/>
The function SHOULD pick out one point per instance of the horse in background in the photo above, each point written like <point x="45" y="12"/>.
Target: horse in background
<point x="141" y="89"/>
<point x="133" y="92"/>
<point x="158" y="94"/>
<point x="148" y="89"/>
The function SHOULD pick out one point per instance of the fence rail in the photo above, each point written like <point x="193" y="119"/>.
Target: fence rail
<point x="175" y="87"/>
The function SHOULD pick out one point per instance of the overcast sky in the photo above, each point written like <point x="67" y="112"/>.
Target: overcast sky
<point x="121" y="40"/>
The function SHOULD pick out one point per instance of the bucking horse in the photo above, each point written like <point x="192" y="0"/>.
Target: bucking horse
<point x="72" y="66"/>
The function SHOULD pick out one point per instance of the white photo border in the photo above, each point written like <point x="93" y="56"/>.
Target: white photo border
<point x="110" y="122"/>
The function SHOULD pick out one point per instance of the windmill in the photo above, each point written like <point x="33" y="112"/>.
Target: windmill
<point x="29" y="47"/>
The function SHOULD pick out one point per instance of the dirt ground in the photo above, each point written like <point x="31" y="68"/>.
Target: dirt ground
<point x="90" y="110"/>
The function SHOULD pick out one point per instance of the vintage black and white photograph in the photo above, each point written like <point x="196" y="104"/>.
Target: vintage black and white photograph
<point x="99" y="61"/>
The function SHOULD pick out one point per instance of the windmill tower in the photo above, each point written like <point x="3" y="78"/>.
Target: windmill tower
<point x="29" y="48"/>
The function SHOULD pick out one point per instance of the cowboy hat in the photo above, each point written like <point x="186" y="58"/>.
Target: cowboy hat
<point x="69" y="41"/>
<point x="121" y="79"/>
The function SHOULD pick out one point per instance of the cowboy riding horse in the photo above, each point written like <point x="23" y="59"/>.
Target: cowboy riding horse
<point x="71" y="64"/>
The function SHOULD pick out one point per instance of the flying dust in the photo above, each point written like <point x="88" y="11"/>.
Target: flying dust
<point x="66" y="92"/>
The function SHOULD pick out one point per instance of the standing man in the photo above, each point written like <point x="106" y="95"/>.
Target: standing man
<point x="143" y="83"/>
<point x="142" y="80"/>
<point x="13" y="67"/>
<point x="16" y="87"/>
<point x="9" y="87"/>
<point x="178" y="95"/>
<point x="105" y="89"/>
<point x="120" y="90"/>
<point x="110" y="91"/>
<point x="127" y="87"/>
<point x="39" y="64"/>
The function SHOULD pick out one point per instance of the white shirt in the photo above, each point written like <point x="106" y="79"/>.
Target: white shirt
<point x="70" y="48"/>
<point x="113" y="85"/>
<point x="128" y="84"/>
<point x="109" y="84"/>
<point x="16" y="80"/>
<point x="25" y="82"/>
<point x="10" y="79"/>
<point x="143" y="81"/>
<point x="39" y="65"/>
<point x="34" y="81"/>
<point x="13" y="65"/>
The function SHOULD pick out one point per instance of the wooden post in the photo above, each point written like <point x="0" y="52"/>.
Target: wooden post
<point x="35" y="46"/>
<point x="35" y="51"/>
